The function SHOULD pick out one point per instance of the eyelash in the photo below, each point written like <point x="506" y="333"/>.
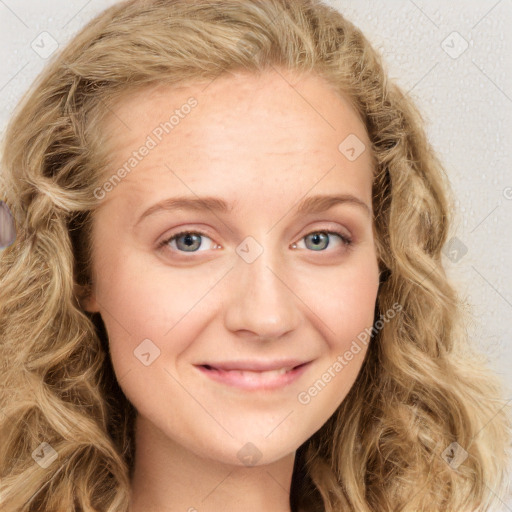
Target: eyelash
<point x="347" y="241"/>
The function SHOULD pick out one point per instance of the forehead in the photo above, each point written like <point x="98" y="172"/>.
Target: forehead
<point x="274" y="97"/>
<point x="274" y="127"/>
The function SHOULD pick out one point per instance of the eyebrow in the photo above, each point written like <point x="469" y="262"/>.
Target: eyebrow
<point x="310" y="205"/>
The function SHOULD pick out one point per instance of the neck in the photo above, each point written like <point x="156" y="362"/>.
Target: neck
<point x="168" y="477"/>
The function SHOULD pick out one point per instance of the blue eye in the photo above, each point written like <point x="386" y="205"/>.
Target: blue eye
<point x="321" y="238"/>
<point x="190" y="241"/>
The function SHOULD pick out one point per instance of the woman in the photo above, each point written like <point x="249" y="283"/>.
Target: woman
<point x="172" y="337"/>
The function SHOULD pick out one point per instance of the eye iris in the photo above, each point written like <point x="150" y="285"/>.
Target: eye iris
<point x="189" y="241"/>
<point x="316" y="236"/>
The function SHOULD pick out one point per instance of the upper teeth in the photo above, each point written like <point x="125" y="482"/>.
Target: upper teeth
<point x="266" y="372"/>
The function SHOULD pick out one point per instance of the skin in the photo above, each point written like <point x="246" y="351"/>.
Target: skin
<point x="262" y="143"/>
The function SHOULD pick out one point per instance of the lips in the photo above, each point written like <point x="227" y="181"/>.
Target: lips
<point x="255" y="375"/>
<point x="255" y="366"/>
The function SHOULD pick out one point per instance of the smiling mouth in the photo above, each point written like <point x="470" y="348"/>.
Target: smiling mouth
<point x="255" y="380"/>
<point x="252" y="372"/>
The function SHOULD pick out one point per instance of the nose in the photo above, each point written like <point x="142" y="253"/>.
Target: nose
<point x="261" y="300"/>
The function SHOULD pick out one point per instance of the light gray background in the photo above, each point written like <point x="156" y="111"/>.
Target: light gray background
<point x="462" y="83"/>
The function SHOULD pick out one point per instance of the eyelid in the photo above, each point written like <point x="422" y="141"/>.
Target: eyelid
<point x="328" y="227"/>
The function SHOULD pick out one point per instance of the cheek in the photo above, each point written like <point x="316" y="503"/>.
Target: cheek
<point x="356" y="304"/>
<point x="148" y="311"/>
<point x="345" y="300"/>
<point x="347" y="316"/>
<point x="131" y="296"/>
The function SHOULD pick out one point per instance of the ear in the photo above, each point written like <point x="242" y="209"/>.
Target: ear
<point x="86" y="298"/>
<point x="89" y="304"/>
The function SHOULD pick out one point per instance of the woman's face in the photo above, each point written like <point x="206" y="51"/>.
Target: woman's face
<point x="259" y="283"/>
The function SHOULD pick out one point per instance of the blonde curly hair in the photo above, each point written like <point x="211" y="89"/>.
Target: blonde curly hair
<point x="422" y="386"/>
